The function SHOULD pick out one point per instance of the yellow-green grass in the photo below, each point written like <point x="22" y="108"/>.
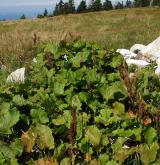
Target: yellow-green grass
<point x="111" y="29"/>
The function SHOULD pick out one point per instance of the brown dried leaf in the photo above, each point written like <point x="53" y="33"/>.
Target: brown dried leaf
<point x="147" y="121"/>
<point x="131" y="114"/>
<point x="49" y="162"/>
<point x="87" y="157"/>
<point x="28" y="141"/>
<point x="40" y="162"/>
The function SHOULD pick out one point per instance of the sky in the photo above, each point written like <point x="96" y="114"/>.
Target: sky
<point x="13" y="9"/>
<point x="6" y="3"/>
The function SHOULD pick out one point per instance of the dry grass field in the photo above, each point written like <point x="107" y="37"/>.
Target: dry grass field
<point x="112" y="29"/>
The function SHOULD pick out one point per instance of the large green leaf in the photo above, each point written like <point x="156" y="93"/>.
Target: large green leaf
<point x="104" y="116"/>
<point x="148" y="154"/>
<point x="122" y="132"/>
<point x="64" y="119"/>
<point x="118" y="144"/>
<point x="150" y="135"/>
<point x="59" y="85"/>
<point x="113" y="77"/>
<point x="79" y="58"/>
<point x="92" y="75"/>
<point x="122" y="154"/>
<point x="13" y="150"/>
<point x="18" y="100"/>
<point x="60" y="150"/>
<point x="59" y="88"/>
<point x="93" y="134"/>
<point x="66" y="161"/>
<point x="112" y="162"/>
<point x="52" y="49"/>
<point x="8" y="118"/>
<point x="116" y="61"/>
<point x="95" y="162"/>
<point x="45" y="138"/>
<point x="129" y="132"/>
<point x="108" y="91"/>
<point x="119" y="109"/>
<point x="39" y="116"/>
<point x="76" y="102"/>
<point x="103" y="158"/>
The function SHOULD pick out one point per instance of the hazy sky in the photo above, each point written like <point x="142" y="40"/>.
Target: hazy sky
<point x="30" y="7"/>
<point x="10" y="3"/>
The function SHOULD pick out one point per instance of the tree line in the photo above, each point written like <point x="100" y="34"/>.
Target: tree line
<point x="94" y="5"/>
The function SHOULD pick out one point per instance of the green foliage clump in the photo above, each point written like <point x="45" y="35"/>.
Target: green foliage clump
<point x="74" y="108"/>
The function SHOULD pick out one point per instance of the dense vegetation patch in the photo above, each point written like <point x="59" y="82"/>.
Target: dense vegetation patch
<point x="78" y="105"/>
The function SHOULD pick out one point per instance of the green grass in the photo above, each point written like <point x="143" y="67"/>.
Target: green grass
<point x="112" y="29"/>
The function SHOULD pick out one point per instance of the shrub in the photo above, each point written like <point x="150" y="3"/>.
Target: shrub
<point x="78" y="105"/>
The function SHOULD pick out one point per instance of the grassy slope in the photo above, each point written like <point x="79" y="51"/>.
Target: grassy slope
<point x="113" y="29"/>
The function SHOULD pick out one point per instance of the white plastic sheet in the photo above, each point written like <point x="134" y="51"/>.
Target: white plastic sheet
<point x="139" y="63"/>
<point x="157" y="71"/>
<point x="152" y="50"/>
<point x="127" y="54"/>
<point x="34" y="60"/>
<point x="17" y="76"/>
<point x="137" y="47"/>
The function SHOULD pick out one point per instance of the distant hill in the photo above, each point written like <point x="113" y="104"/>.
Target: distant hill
<point x="15" y="15"/>
<point x="12" y="13"/>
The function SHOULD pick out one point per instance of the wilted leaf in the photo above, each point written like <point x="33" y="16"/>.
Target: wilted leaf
<point x="132" y="114"/>
<point x="147" y="121"/>
<point x="41" y="162"/>
<point x="49" y="162"/>
<point x="28" y="139"/>
<point x="88" y="157"/>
